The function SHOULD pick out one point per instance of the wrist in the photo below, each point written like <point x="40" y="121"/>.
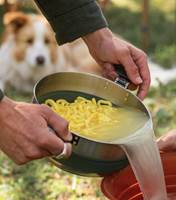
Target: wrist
<point x="97" y="37"/>
<point x="6" y="107"/>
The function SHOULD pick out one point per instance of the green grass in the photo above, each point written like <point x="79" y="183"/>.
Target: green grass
<point x="39" y="180"/>
<point x="162" y="104"/>
<point x="165" y="56"/>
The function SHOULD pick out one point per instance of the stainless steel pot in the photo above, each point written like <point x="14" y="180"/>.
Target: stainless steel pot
<point x="89" y="157"/>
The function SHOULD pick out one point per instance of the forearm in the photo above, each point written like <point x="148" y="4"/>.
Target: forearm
<point x="72" y="19"/>
<point x="96" y="38"/>
<point x="6" y="110"/>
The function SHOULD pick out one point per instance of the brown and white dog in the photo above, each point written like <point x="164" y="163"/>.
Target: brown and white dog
<point x="29" y="52"/>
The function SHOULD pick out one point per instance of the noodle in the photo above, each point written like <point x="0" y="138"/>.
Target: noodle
<point x="85" y="116"/>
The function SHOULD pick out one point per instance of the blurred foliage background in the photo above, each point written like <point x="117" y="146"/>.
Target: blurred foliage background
<point x="39" y="180"/>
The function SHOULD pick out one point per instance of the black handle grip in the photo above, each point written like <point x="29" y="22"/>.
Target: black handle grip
<point x="121" y="71"/>
<point x="75" y="139"/>
<point x="122" y="78"/>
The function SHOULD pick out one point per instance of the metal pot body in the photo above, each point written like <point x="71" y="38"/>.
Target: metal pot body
<point x="89" y="157"/>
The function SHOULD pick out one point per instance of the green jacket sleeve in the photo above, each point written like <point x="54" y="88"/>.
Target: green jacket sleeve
<point x="71" y="19"/>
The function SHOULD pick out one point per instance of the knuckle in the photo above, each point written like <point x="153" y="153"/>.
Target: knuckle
<point x="45" y="108"/>
<point x="134" y="70"/>
<point x="125" y="51"/>
<point x="43" y="142"/>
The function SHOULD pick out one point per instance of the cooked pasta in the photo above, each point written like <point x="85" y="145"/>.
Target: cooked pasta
<point x="97" y="119"/>
<point x="84" y="115"/>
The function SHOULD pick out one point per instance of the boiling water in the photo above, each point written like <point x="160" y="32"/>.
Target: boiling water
<point x="144" y="158"/>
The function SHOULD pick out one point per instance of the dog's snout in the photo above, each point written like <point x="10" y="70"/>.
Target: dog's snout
<point x="40" y="60"/>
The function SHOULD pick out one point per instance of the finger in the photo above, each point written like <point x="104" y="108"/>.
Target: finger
<point x="164" y="145"/>
<point x="143" y="89"/>
<point x="66" y="152"/>
<point x="167" y="141"/>
<point x="30" y="149"/>
<point x="145" y="74"/>
<point x="52" y="143"/>
<point x="17" y="155"/>
<point x="131" y="69"/>
<point x="140" y="59"/>
<point x="109" y="71"/>
<point x="161" y="144"/>
<point x="58" y="124"/>
<point x="34" y="152"/>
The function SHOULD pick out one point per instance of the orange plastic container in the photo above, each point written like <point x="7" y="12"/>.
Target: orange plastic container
<point x="123" y="185"/>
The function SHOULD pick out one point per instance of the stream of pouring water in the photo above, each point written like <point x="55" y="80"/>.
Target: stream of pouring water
<point x="144" y="158"/>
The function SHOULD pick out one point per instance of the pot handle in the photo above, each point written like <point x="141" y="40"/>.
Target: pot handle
<point x="122" y="78"/>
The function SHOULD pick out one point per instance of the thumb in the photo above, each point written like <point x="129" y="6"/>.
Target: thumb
<point x="162" y="145"/>
<point x="57" y="123"/>
<point x="167" y="143"/>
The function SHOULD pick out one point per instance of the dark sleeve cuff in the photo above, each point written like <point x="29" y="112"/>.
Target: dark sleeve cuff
<point x="76" y="22"/>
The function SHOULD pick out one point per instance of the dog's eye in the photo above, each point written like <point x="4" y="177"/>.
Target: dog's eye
<point x="30" y="40"/>
<point x="47" y="41"/>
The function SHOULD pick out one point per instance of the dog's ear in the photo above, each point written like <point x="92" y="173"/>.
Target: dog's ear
<point x="15" y="20"/>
